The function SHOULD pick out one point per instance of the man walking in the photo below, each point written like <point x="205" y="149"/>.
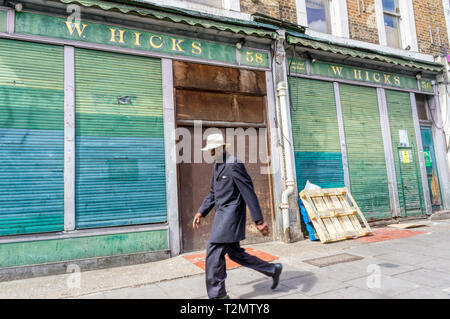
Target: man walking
<point x="231" y="191"/>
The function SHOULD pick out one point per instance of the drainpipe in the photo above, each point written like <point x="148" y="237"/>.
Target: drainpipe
<point x="282" y="88"/>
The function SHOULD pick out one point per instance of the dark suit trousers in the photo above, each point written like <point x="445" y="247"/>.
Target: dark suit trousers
<point x="216" y="266"/>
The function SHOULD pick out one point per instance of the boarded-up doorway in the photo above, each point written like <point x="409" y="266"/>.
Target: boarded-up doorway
<point x="221" y="98"/>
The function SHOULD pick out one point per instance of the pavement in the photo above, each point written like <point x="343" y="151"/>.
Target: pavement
<point x="415" y="267"/>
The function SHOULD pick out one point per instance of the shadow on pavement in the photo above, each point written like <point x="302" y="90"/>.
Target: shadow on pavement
<point x="261" y="288"/>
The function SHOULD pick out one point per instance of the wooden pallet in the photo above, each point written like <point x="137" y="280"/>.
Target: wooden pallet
<point x="332" y="215"/>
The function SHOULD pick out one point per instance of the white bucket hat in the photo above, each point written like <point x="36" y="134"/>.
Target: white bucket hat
<point x="214" y="141"/>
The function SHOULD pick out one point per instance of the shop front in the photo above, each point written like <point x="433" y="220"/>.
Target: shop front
<point x="91" y="112"/>
<point x="355" y="124"/>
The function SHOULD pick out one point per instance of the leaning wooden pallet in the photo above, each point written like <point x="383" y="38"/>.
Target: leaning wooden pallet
<point x="334" y="214"/>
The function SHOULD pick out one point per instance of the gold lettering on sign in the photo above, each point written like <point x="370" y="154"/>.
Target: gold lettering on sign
<point x="397" y="80"/>
<point x="152" y="43"/>
<point x="387" y="79"/>
<point x="358" y="74"/>
<point x="114" y="35"/>
<point x="196" y="47"/>
<point x="367" y="76"/>
<point x="377" y="77"/>
<point x="72" y="26"/>
<point x="138" y="39"/>
<point x="337" y="70"/>
<point x="176" y="45"/>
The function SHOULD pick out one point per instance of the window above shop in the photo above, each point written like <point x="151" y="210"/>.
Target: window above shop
<point x="318" y="12"/>
<point x="391" y="14"/>
<point x="396" y="24"/>
<point x="323" y="17"/>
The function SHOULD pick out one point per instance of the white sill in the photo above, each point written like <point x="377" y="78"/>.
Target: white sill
<point x="185" y="4"/>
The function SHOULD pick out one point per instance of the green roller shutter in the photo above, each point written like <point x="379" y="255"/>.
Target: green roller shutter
<point x="120" y="161"/>
<point x="315" y="132"/>
<point x="365" y="150"/>
<point x="407" y="169"/>
<point x="31" y="138"/>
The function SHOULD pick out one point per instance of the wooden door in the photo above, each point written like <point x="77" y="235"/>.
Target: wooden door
<point x="221" y="98"/>
<point x="195" y="181"/>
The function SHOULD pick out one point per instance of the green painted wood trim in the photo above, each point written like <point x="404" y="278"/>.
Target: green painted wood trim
<point x="56" y="250"/>
<point x="55" y="27"/>
<point x="3" y="19"/>
<point x="369" y="76"/>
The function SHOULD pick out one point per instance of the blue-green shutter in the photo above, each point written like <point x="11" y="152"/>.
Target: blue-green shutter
<point x="315" y="132"/>
<point x="120" y="161"/>
<point x="31" y="138"/>
<point x="365" y="150"/>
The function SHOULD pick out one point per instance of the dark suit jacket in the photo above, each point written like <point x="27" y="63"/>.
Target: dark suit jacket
<point x="231" y="190"/>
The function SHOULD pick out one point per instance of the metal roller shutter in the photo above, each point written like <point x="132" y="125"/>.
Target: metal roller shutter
<point x="31" y="138"/>
<point x="120" y="161"/>
<point x="315" y="132"/>
<point x="407" y="169"/>
<point x="365" y="150"/>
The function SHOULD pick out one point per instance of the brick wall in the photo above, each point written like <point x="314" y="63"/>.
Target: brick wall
<point x="279" y="9"/>
<point x="430" y="12"/>
<point x="362" y="24"/>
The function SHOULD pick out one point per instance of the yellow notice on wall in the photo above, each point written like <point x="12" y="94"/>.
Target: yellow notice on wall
<point x="405" y="157"/>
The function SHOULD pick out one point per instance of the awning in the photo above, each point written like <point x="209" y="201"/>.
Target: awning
<point x="192" y="18"/>
<point x="318" y="44"/>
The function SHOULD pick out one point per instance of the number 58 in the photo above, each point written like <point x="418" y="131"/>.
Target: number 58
<point x="254" y="57"/>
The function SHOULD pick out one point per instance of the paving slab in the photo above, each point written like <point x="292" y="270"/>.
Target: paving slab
<point x="186" y="288"/>
<point x="388" y="286"/>
<point x="314" y="285"/>
<point x="369" y="250"/>
<point x="296" y="295"/>
<point x="424" y="293"/>
<point x="340" y="272"/>
<point x="349" y="293"/>
<point x="243" y="276"/>
<point x="404" y="258"/>
<point x="260" y="290"/>
<point x="143" y="292"/>
<point x="427" y="277"/>
<point x="438" y="264"/>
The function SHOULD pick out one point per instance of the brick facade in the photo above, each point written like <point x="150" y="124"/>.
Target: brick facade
<point x="362" y="23"/>
<point x="285" y="10"/>
<point x="430" y="13"/>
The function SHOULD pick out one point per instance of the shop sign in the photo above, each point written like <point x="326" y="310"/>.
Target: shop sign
<point x="297" y="66"/>
<point x="361" y="75"/>
<point x="55" y="27"/>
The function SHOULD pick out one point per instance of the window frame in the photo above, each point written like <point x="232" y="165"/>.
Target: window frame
<point x="397" y="17"/>
<point x="407" y="25"/>
<point x="338" y="18"/>
<point x="327" y="5"/>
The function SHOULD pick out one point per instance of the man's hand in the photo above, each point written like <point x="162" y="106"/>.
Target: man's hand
<point x="264" y="229"/>
<point x="197" y="220"/>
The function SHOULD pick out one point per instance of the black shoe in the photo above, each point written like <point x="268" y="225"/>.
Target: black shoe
<point x="225" y="297"/>
<point x="276" y="276"/>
